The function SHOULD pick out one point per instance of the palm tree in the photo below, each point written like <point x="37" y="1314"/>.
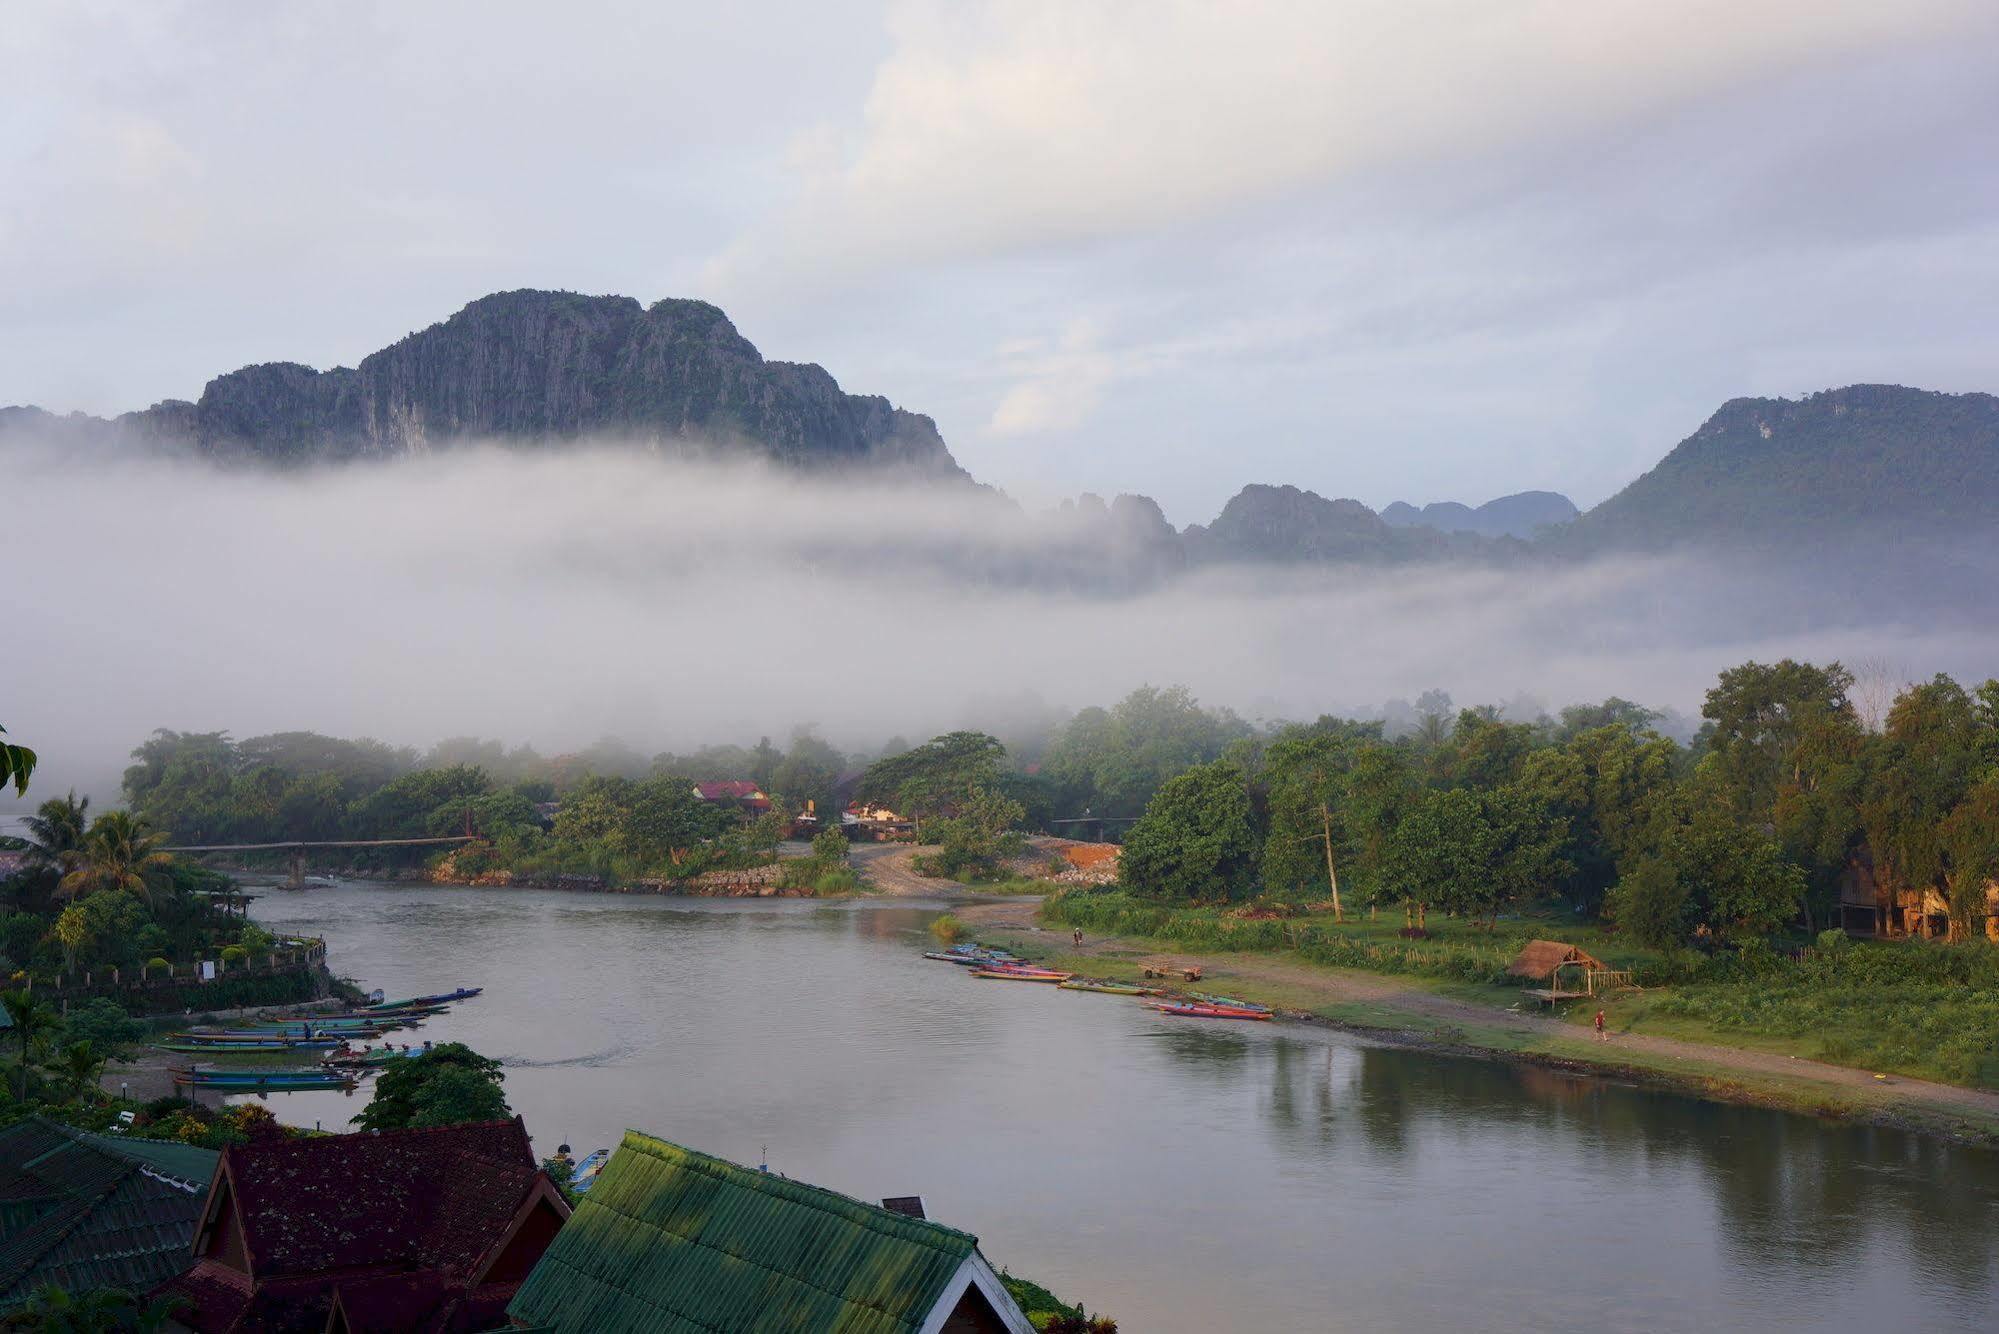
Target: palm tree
<point x="57" y="826"/>
<point x="80" y="1066"/>
<point x="117" y="853"/>
<point x="30" y="1019"/>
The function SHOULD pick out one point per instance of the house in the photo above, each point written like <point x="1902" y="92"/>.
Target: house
<point x="672" y="1239"/>
<point x="88" y="1211"/>
<point x="741" y="794"/>
<point x="866" y="821"/>
<point x="427" y="1230"/>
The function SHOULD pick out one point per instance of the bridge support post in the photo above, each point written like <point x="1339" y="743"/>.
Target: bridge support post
<point x="297" y="861"/>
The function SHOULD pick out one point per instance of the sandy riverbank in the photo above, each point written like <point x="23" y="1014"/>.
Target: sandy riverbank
<point x="1421" y="1011"/>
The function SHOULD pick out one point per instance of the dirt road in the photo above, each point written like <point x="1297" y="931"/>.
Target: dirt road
<point x="887" y="867"/>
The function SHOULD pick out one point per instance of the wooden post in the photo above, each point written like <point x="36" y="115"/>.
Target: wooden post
<point x="1332" y="875"/>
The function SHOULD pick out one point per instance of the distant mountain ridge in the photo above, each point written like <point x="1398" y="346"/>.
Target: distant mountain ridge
<point x="544" y="367"/>
<point x="534" y="365"/>
<point x="1522" y="515"/>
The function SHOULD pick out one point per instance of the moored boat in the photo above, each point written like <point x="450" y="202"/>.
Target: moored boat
<point x="235" y="1048"/>
<point x="1022" y="974"/>
<point x="418" y="1002"/>
<point x="1107" y="988"/>
<point x="1198" y="1011"/>
<point x="587" y="1171"/>
<point x="264" y="1080"/>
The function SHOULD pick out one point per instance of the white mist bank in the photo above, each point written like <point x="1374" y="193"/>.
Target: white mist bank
<point x="554" y="597"/>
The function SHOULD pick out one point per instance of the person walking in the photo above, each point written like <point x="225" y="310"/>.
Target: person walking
<point x="1602" y="1034"/>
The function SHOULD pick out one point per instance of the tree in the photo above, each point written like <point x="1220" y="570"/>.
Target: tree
<point x="1305" y="772"/>
<point x="1762" y="716"/>
<point x="1379" y="789"/>
<point x="808" y="775"/>
<point x="665" y="820"/>
<point x="1195" y="840"/>
<point x="1601" y="783"/>
<point x="1705" y="874"/>
<point x="935" y="777"/>
<point x="1111" y="762"/>
<point x="58" y="826"/>
<point x="29" y="1019"/>
<point x="80" y="1065"/>
<point x="1936" y="750"/>
<point x="449" y="1084"/>
<point x="117" y="853"/>
<point x="72" y="929"/>
<point x="16" y="764"/>
<point x="974" y="841"/>
<point x="1613" y="712"/>
<point x="1472" y="852"/>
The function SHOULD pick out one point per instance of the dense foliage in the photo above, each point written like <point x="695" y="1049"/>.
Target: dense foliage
<point x="440" y="1086"/>
<point x="1784" y="795"/>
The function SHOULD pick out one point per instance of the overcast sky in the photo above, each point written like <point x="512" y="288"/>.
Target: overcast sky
<point x="1392" y="249"/>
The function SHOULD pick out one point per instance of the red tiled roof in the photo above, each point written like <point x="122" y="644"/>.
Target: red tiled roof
<point x="395" y="1196"/>
<point x="734" y="789"/>
<point x="395" y="1222"/>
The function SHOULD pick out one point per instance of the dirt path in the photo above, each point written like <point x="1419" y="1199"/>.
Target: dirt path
<point x="887" y="867"/>
<point x="1282" y="979"/>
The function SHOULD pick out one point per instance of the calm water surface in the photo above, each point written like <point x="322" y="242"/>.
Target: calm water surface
<point x="1177" y="1175"/>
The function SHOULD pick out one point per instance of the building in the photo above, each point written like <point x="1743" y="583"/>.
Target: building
<point x="864" y="822"/>
<point x="429" y="1231"/>
<point x="86" y="1211"/>
<point x="738" y="793"/>
<point x="672" y="1239"/>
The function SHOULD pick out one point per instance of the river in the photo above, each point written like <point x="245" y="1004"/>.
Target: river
<point x="1177" y="1174"/>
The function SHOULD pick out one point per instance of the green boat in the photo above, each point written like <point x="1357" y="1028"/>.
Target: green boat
<point x="232" y="1048"/>
<point x="264" y="1080"/>
<point x="1108" y="988"/>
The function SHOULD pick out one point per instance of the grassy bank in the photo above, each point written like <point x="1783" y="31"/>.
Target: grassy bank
<point x="1739" y="1029"/>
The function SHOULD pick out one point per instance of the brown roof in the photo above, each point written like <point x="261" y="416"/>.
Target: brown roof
<point x="1541" y="957"/>
<point x="406" y="1219"/>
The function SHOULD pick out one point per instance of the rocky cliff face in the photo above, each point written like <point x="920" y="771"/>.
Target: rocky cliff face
<point x="548" y="366"/>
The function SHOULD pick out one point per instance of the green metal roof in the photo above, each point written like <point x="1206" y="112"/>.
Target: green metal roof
<point x="670" y="1241"/>
<point x="90" y="1211"/>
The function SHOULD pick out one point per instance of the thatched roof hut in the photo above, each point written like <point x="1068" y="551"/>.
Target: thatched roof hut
<point x="1542" y="957"/>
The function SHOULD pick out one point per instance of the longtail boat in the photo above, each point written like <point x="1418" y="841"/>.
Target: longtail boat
<point x="264" y="1080"/>
<point x="367" y="1060"/>
<point x="417" y="1002"/>
<point x="1022" y="974"/>
<point x="1212" y="1012"/>
<point x="234" y="1048"/>
<point x="1108" y="988"/>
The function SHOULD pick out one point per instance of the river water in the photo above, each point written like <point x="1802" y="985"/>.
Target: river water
<point x="1177" y="1174"/>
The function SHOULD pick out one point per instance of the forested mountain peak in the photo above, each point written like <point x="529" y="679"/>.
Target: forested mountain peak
<point x="1771" y="471"/>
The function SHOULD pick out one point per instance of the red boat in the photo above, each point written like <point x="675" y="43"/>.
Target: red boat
<point x="1213" y="1012"/>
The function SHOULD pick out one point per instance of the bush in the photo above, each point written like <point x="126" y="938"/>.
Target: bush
<point x="157" y="962"/>
<point x="948" y="929"/>
<point x="234" y="954"/>
<point x="1833" y="940"/>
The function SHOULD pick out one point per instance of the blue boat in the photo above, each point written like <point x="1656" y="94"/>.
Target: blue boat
<point x="587" y="1171"/>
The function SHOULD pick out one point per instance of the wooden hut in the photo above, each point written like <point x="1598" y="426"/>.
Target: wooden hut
<point x="1543" y="961"/>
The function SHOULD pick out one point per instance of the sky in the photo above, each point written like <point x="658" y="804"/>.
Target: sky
<point x="1389" y="249"/>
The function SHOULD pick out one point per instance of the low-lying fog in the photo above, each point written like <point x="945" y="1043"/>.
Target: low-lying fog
<point x="557" y="596"/>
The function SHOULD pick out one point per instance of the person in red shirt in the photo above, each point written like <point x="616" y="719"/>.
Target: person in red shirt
<point x="1602" y="1035"/>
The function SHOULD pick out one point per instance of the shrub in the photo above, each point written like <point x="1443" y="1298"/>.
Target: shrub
<point x="1833" y="940"/>
<point x="948" y="929"/>
<point x="234" y="954"/>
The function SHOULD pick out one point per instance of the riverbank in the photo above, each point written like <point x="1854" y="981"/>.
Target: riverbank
<point x="1485" y="1021"/>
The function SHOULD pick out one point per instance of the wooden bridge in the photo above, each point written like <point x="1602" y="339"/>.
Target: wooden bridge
<point x="295" y="861"/>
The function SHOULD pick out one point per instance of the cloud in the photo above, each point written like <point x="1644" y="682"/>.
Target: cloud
<point x="1013" y="123"/>
<point x="557" y="595"/>
<point x="1061" y="386"/>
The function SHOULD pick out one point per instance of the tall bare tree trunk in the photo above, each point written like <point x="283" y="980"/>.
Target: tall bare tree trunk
<point x="1332" y="876"/>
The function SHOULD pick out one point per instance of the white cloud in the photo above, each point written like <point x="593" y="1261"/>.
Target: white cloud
<point x="1018" y="122"/>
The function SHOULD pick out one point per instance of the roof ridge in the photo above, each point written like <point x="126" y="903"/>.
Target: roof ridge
<point x="803" y="1191"/>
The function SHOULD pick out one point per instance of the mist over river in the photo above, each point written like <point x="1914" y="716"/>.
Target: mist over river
<point x="1175" y="1174"/>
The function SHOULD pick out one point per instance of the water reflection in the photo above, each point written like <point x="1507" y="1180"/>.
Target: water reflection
<point x="1180" y="1174"/>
